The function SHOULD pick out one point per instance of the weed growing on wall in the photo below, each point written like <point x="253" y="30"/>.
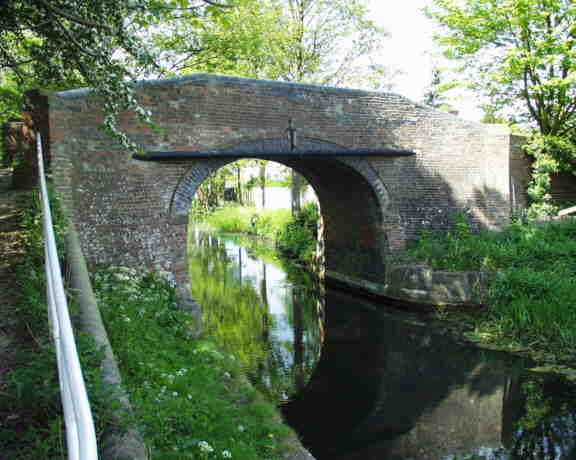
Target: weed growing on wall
<point x="455" y="250"/>
<point x="188" y="397"/>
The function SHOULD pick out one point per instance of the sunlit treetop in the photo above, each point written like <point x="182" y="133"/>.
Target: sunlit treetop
<point x="521" y="54"/>
<point x="324" y="42"/>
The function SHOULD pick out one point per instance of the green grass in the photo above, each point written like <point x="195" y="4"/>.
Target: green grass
<point x="237" y="219"/>
<point x="190" y="399"/>
<point x="532" y="298"/>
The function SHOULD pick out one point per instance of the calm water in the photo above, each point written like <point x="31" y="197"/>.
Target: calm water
<point x="360" y="381"/>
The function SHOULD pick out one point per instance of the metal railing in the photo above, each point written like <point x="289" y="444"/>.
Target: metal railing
<point x="80" y="433"/>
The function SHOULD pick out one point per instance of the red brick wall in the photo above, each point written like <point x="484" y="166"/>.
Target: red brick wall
<point x="131" y="212"/>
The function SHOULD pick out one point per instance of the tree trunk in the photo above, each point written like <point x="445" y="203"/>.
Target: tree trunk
<point x="296" y="192"/>
<point x="239" y="186"/>
<point x="263" y="165"/>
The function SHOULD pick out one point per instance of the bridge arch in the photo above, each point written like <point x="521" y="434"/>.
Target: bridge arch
<point x="405" y="167"/>
<point x="353" y="199"/>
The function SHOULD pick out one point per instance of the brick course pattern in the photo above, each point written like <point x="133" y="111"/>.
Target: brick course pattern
<point x="134" y="212"/>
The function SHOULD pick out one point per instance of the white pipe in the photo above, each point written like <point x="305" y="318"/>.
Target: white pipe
<point x="80" y="433"/>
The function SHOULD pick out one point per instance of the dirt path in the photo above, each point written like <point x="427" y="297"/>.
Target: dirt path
<point x="11" y="254"/>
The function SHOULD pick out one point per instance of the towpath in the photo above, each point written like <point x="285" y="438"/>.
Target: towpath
<point x="13" y="335"/>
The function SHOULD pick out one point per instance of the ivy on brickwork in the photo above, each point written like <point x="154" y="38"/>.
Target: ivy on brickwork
<point x="552" y="154"/>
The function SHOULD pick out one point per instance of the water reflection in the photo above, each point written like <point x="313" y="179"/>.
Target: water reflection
<point x="386" y="385"/>
<point x="274" y="327"/>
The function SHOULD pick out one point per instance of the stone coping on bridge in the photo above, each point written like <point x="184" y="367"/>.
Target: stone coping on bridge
<point x="419" y="287"/>
<point x="226" y="79"/>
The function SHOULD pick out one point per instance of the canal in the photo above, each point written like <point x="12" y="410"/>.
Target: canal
<point x="359" y="380"/>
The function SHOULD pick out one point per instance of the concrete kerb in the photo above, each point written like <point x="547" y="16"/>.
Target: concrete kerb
<point x="121" y="444"/>
<point x="419" y="287"/>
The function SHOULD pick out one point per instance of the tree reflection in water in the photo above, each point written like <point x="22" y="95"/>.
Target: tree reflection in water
<point x="253" y="311"/>
<point x="547" y="428"/>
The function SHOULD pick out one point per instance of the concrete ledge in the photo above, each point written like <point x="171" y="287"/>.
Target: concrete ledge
<point x="419" y="287"/>
<point x="114" y="445"/>
<point x="419" y="283"/>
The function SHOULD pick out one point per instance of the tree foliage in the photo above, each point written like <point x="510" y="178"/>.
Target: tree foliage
<point x="59" y="44"/>
<point x="310" y="41"/>
<point x="435" y="95"/>
<point x="520" y="54"/>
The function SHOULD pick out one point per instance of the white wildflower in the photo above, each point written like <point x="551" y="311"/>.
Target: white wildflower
<point x="205" y="447"/>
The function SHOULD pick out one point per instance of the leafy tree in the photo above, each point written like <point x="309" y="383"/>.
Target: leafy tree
<point x="315" y="48"/>
<point x="491" y="116"/>
<point x="67" y="43"/>
<point x="310" y="41"/>
<point x="520" y="54"/>
<point x="220" y="42"/>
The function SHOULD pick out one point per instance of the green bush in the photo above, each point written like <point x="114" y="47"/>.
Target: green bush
<point x="269" y="222"/>
<point x="299" y="237"/>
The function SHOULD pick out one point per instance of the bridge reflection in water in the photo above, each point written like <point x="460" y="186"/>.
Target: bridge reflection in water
<point x="385" y="386"/>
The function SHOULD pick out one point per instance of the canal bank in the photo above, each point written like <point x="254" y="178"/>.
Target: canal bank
<point x="393" y="385"/>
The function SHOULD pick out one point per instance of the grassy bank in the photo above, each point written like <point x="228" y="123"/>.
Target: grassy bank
<point x="237" y="219"/>
<point x="533" y="293"/>
<point x="34" y="428"/>
<point x="295" y="237"/>
<point x="190" y="400"/>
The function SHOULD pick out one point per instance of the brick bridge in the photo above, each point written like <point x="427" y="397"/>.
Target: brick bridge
<point x="383" y="167"/>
